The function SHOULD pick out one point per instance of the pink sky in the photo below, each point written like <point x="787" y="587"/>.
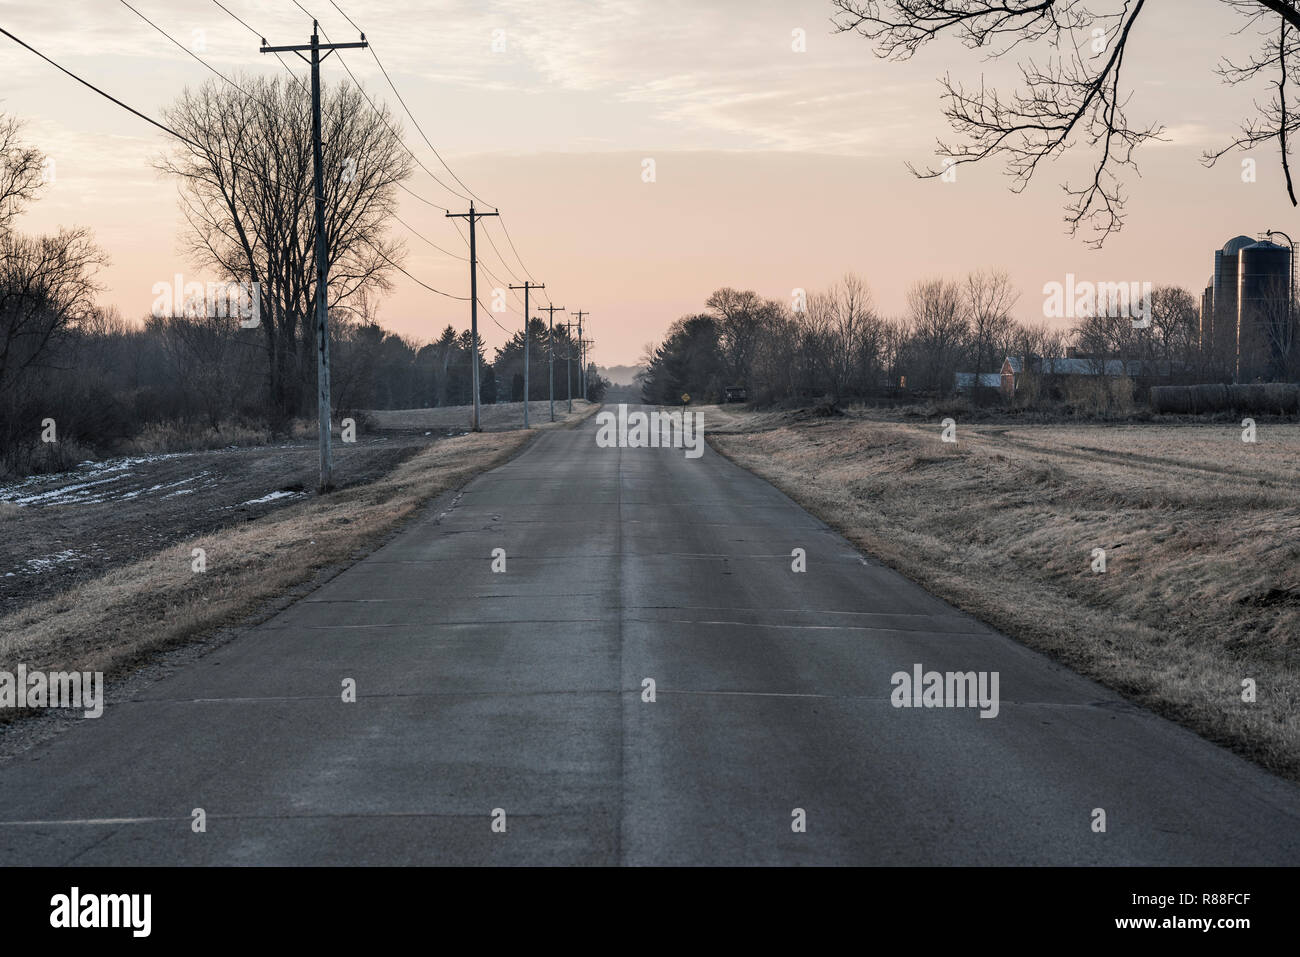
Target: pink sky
<point x="775" y="169"/>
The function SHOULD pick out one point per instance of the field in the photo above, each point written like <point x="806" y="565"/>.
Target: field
<point x="66" y="528"/>
<point x="97" y="568"/>
<point x="1201" y="534"/>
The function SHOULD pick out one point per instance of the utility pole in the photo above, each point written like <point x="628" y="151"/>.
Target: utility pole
<point x="473" y="217"/>
<point x="582" y="355"/>
<point x="568" y="360"/>
<point x="550" y="339"/>
<point x="528" y="317"/>
<point x="322" y="258"/>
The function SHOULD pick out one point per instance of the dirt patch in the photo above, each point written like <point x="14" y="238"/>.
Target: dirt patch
<point x="61" y="530"/>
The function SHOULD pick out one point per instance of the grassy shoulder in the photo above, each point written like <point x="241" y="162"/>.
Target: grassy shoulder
<point x="122" y="619"/>
<point x="1201" y="533"/>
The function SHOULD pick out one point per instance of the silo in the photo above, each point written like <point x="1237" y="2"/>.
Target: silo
<point x="1207" y="318"/>
<point x="1264" y="310"/>
<point x="1225" y="303"/>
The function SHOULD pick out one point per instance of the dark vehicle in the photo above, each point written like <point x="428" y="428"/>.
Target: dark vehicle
<point x="736" y="393"/>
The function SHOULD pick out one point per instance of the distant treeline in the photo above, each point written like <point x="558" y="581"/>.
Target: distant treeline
<point x="192" y="375"/>
<point x="106" y="382"/>
<point x="836" y="345"/>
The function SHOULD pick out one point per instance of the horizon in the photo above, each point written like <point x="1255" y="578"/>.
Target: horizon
<point x="554" y="130"/>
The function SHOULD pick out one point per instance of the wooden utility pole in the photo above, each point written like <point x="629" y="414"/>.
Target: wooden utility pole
<point x="528" y="317"/>
<point x="473" y="217"/>
<point x="550" y="339"/>
<point x="582" y="355"/>
<point x="568" y="360"/>
<point x="322" y="258"/>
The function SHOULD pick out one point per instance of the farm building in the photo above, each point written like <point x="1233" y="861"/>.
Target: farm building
<point x="1013" y="368"/>
<point x="965" y="381"/>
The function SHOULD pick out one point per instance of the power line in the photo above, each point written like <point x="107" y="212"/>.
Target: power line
<point x="381" y="116"/>
<point x="185" y="139"/>
<point x="494" y="319"/>
<point x="482" y="265"/>
<point x="446" y="252"/>
<point x="435" y="152"/>
<point x="296" y="79"/>
<point x="400" y="184"/>
<point x="185" y="49"/>
<point x="393" y="87"/>
<point x="291" y="73"/>
<point x="197" y="146"/>
<point x="504" y="265"/>
<point x="515" y="251"/>
<point x="107" y="96"/>
<point x="240" y="20"/>
<point x="249" y="28"/>
<point x="403" y="271"/>
<point x="432" y="148"/>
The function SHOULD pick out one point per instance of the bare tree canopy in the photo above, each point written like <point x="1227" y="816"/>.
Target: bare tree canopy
<point x="248" y="197"/>
<point x="1073" y="92"/>
<point x="47" y="287"/>
<point x="47" y="283"/>
<point x="20" y="170"/>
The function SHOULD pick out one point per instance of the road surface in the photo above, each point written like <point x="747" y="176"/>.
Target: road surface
<point x="523" y="691"/>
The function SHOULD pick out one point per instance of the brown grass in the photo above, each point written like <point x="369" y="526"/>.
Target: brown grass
<point x="165" y="437"/>
<point x="1201" y="531"/>
<point x="496" y="417"/>
<point x="118" y="621"/>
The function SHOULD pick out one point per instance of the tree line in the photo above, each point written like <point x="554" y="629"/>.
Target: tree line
<point x="838" y="345"/>
<point x="200" y="377"/>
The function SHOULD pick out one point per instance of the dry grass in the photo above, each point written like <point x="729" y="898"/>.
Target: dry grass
<point x="496" y="417"/>
<point x="1201" y="532"/>
<point x="118" y="621"/>
<point x="165" y="437"/>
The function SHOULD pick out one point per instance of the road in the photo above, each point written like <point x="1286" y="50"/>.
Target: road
<point x="523" y="691"/>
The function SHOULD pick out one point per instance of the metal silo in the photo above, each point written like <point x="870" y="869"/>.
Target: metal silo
<point x="1207" y="318"/>
<point x="1225" y="303"/>
<point x="1263" y="310"/>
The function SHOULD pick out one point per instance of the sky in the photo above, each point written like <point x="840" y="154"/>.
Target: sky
<point x="774" y="170"/>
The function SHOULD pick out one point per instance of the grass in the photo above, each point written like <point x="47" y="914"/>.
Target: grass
<point x="1201" y="532"/>
<point x="165" y="437"/>
<point x="494" y="417"/>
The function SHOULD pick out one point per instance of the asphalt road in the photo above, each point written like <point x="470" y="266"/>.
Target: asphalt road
<point x="523" y="691"/>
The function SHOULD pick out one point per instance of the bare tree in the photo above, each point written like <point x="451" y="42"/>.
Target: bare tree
<point x="939" y="324"/>
<point x="990" y="297"/>
<point x="845" y="333"/>
<point x="1276" y="120"/>
<point x="1074" y="89"/>
<point x="21" y="169"/>
<point x="206" y="360"/>
<point x="740" y="318"/>
<point x="247" y="194"/>
<point x="47" y="286"/>
<point x="1174" y="336"/>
